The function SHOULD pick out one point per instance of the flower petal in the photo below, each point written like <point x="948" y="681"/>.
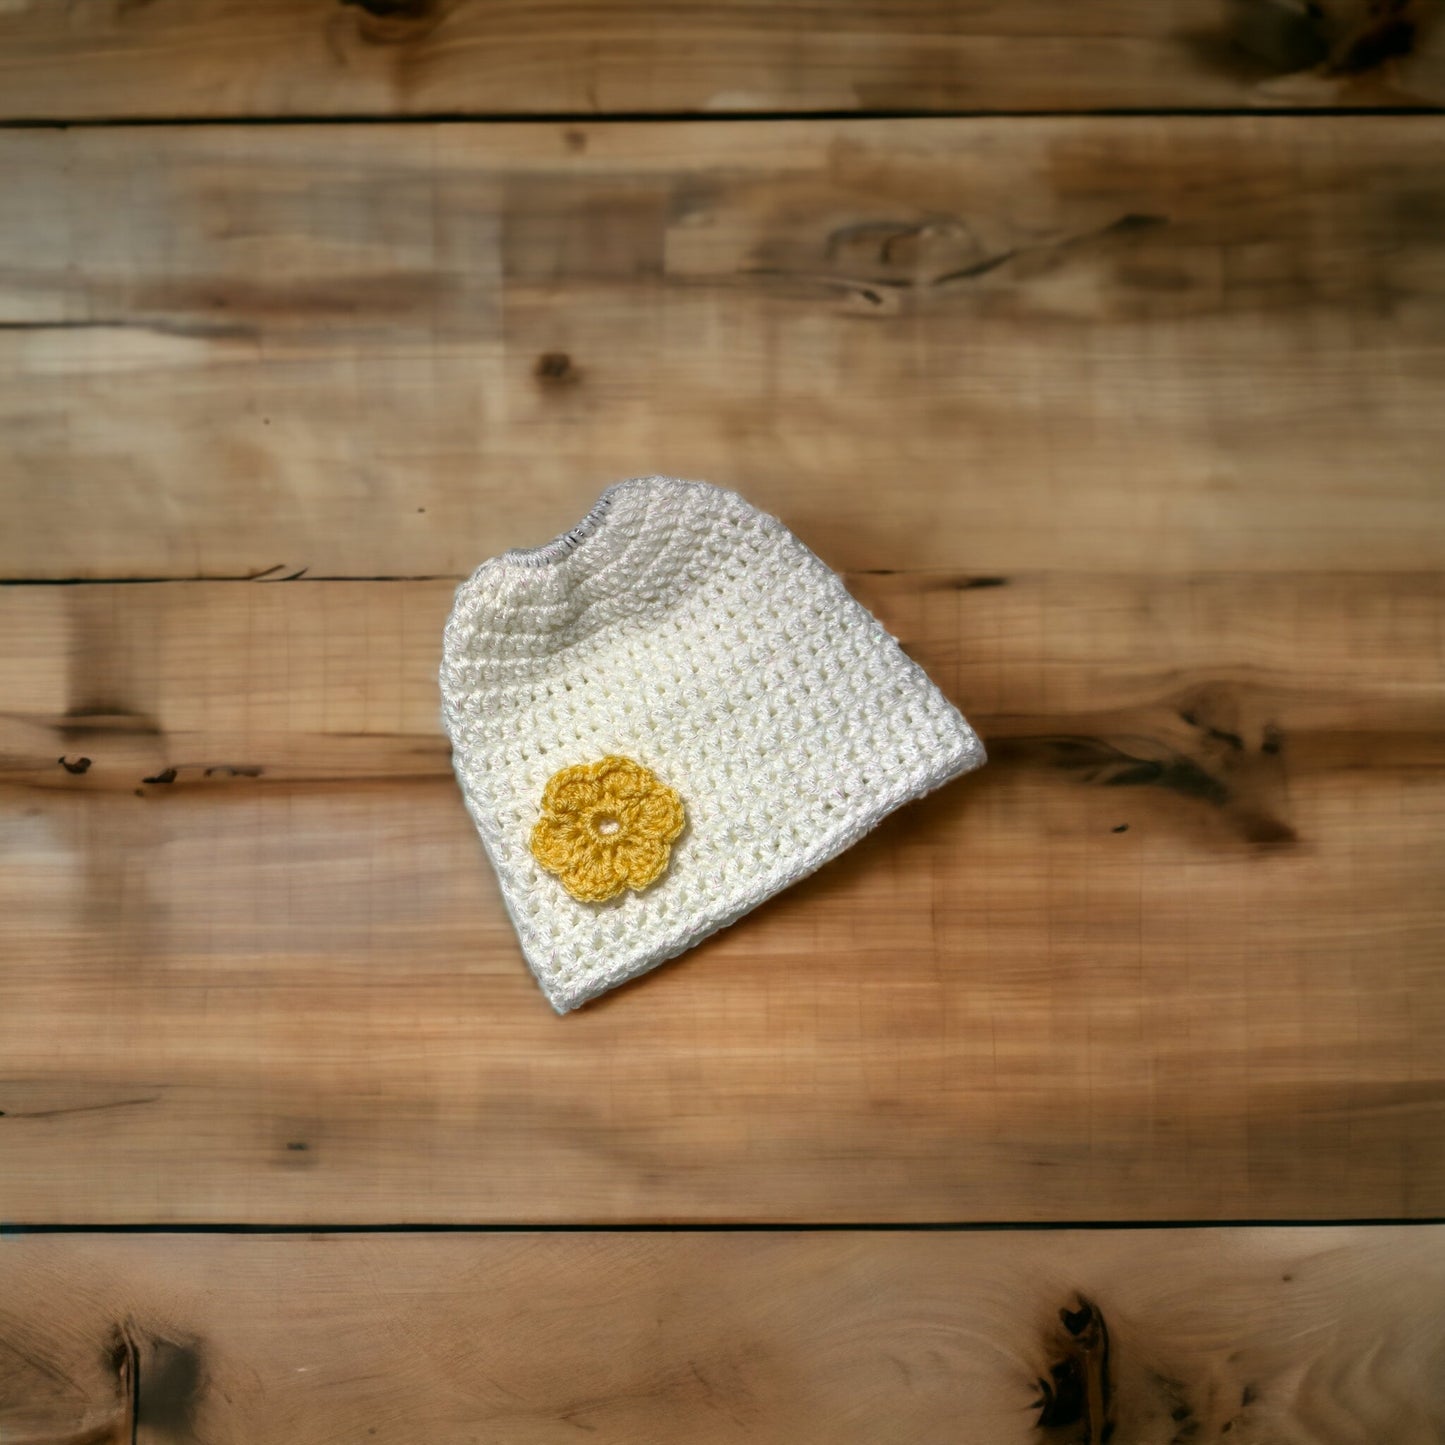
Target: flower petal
<point x="573" y="790"/>
<point x="643" y="860"/>
<point x="555" y="842"/>
<point x="621" y="780"/>
<point x="659" y="814"/>
<point x="594" y="879"/>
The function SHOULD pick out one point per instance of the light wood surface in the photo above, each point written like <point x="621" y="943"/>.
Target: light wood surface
<point x="1128" y="426"/>
<point x="996" y="345"/>
<point x="168" y="58"/>
<point x="1265" y="1337"/>
<point x="1173" y="954"/>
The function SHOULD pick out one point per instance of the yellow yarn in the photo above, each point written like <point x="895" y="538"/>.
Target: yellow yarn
<point x="605" y="827"/>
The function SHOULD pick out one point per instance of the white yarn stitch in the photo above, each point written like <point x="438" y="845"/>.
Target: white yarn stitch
<point x="681" y="627"/>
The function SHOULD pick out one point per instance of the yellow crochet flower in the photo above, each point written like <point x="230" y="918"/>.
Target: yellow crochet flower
<point x="606" y="826"/>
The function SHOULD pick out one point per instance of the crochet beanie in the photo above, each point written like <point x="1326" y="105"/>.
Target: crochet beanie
<point x="667" y="715"/>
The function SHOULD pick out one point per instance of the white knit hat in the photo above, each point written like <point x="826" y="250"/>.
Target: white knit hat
<point x="667" y="715"/>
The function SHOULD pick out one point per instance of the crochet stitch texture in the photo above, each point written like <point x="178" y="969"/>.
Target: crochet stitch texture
<point x="680" y="631"/>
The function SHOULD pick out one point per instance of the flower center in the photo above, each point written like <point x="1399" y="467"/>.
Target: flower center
<point x="606" y="824"/>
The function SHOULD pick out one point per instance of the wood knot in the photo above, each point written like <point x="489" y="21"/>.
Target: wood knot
<point x="1078" y="1388"/>
<point x="1388" y="30"/>
<point x="556" y="367"/>
<point x="393" y="22"/>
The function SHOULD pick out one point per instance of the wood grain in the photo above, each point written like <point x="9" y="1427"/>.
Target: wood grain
<point x="1129" y="428"/>
<point x="1266" y="1337"/>
<point x="173" y="58"/>
<point x="993" y="345"/>
<point x="1173" y="954"/>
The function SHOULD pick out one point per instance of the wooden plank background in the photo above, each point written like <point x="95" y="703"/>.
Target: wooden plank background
<point x="1126" y="423"/>
<point x="1115" y="369"/>
<point x="1103" y="345"/>
<point x="1266" y="1337"/>
<point x="1173" y="954"/>
<point x="169" y="58"/>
